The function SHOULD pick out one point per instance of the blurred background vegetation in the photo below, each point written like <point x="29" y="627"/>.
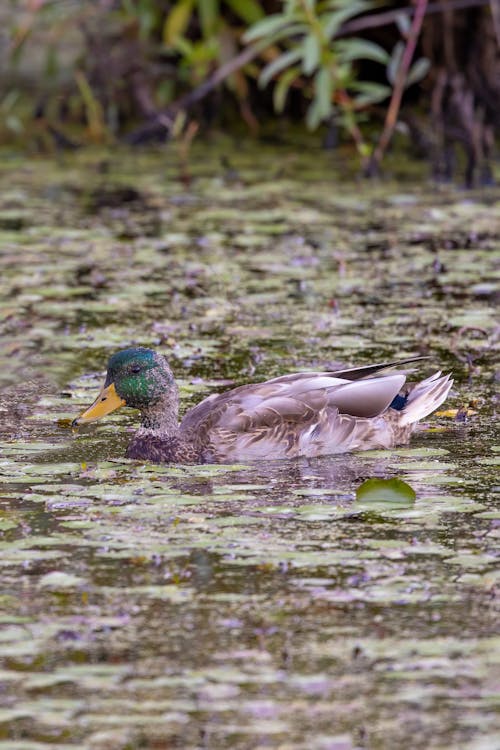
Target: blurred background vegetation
<point x="355" y="71"/>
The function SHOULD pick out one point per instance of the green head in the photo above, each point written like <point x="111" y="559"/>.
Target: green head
<point x="136" y="377"/>
<point x="140" y="376"/>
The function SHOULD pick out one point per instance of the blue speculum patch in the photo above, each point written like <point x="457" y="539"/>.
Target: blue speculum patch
<point x="399" y="402"/>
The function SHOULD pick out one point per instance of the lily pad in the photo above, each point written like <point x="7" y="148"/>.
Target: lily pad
<point x="385" y="492"/>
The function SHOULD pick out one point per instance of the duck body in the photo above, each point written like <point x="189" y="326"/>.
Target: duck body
<point x="303" y="414"/>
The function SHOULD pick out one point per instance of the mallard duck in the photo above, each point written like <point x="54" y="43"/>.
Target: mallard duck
<point x="303" y="414"/>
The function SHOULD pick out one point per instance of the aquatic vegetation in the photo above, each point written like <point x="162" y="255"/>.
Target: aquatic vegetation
<point x="233" y="606"/>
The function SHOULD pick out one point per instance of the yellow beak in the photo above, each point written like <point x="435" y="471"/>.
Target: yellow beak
<point x="107" y="401"/>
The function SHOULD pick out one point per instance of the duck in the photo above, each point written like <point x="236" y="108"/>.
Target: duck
<point x="301" y="414"/>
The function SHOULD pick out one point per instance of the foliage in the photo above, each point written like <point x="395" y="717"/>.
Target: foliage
<point x="119" y="63"/>
<point x="308" y="29"/>
<point x="204" y="34"/>
<point x="99" y="54"/>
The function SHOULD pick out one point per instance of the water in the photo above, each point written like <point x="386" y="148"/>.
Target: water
<point x="259" y="606"/>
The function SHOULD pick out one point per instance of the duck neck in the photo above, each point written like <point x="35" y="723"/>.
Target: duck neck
<point x="162" y="417"/>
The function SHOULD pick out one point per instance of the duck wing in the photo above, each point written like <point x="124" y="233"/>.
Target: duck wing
<point x="300" y="399"/>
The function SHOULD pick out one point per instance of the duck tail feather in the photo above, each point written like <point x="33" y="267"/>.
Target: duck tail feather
<point x="425" y="398"/>
<point x="356" y="373"/>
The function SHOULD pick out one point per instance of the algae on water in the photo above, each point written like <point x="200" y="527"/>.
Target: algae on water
<point x="277" y="604"/>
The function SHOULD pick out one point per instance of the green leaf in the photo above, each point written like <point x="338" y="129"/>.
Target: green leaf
<point x="278" y="64"/>
<point x="248" y="10"/>
<point x="208" y="13"/>
<point x="266" y="26"/>
<point x="343" y="75"/>
<point x="51" y="62"/>
<point x="313" y="116"/>
<point x="361" y="49"/>
<point x="14" y="124"/>
<point x="292" y="30"/>
<point x="18" y="48"/>
<point x="403" y="23"/>
<point x="311" y="54"/>
<point x="386" y="492"/>
<point x="177" y="21"/>
<point x="370" y="92"/>
<point x="321" y="107"/>
<point x="10" y="100"/>
<point x="185" y="47"/>
<point x="338" y="4"/>
<point x="282" y="87"/>
<point x="331" y="22"/>
<point x="395" y="62"/>
<point x="200" y="52"/>
<point x="418" y="71"/>
<point x="323" y="84"/>
<point x="148" y="16"/>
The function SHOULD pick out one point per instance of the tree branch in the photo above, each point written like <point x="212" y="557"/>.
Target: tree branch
<point x="399" y="86"/>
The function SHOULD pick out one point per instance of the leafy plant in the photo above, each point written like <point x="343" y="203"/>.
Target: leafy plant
<point x="200" y="32"/>
<point x="313" y="58"/>
<point x="134" y="59"/>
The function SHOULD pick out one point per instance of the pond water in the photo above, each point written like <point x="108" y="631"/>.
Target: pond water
<point x="259" y="606"/>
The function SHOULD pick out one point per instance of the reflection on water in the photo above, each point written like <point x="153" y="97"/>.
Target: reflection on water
<point x="256" y="606"/>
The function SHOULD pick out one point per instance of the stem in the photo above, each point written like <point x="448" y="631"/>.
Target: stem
<point x="161" y="122"/>
<point x="375" y="20"/>
<point x="345" y="103"/>
<point x="399" y="85"/>
<point x="243" y="58"/>
<point x="313" y="21"/>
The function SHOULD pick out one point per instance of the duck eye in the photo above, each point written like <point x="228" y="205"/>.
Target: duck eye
<point x="135" y="368"/>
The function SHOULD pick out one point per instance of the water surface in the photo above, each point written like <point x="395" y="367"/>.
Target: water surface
<point x="259" y="606"/>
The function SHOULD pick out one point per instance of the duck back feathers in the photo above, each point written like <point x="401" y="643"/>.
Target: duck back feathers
<point x="311" y="414"/>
